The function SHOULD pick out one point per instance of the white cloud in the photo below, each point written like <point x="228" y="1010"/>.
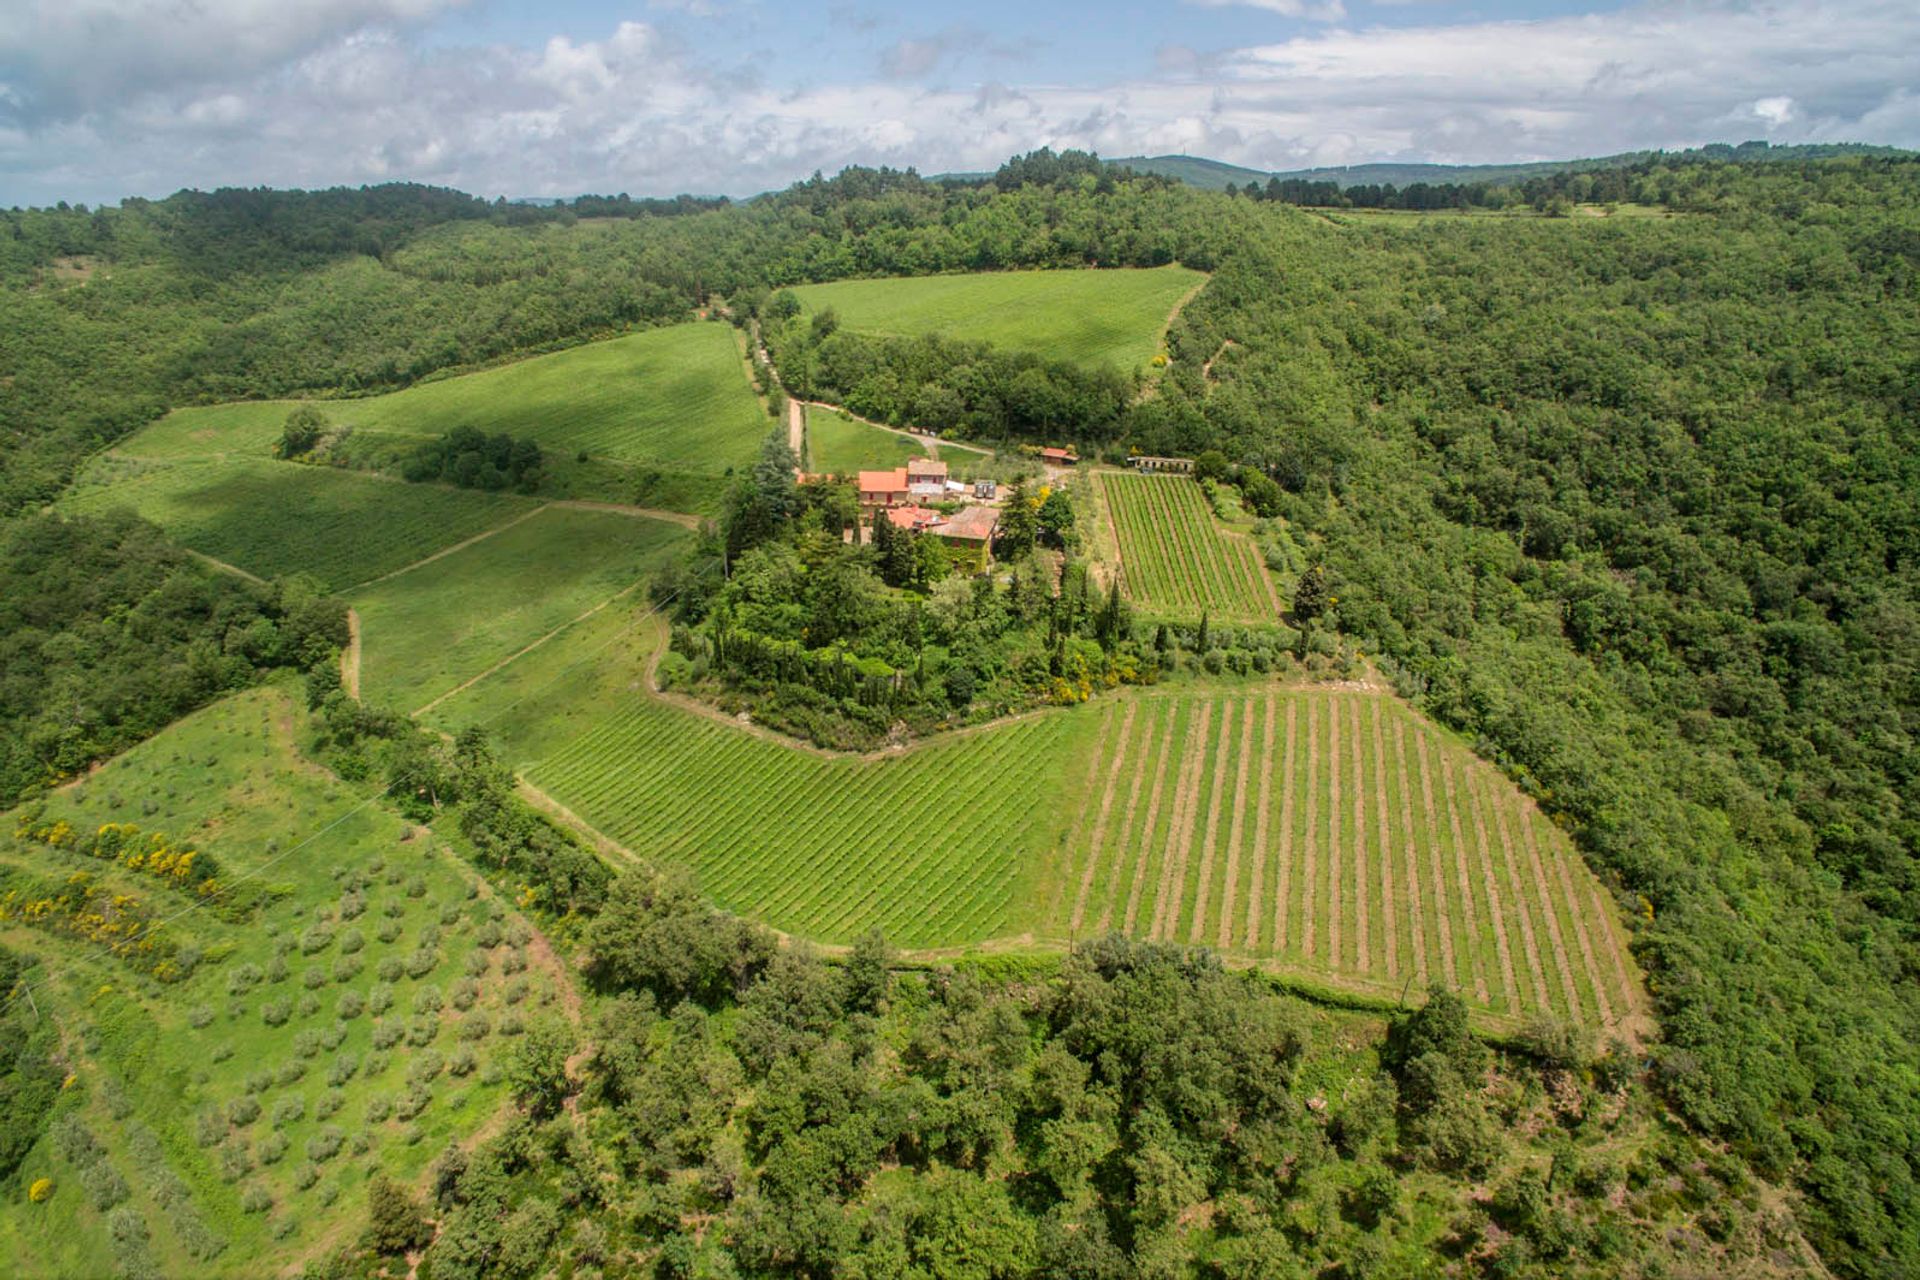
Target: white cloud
<point x="636" y="111"/>
<point x="1313" y="10"/>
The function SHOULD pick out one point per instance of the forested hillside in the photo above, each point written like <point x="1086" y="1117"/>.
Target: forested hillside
<point x="1632" y="503"/>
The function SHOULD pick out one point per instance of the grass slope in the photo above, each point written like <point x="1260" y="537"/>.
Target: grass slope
<point x="363" y="909"/>
<point x="1083" y="317"/>
<point x="429" y="629"/>
<point x="840" y="446"/>
<point x="675" y="397"/>
<point x="273" y="518"/>
<point x="1175" y="559"/>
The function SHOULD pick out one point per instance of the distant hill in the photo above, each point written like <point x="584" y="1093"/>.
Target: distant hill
<point x="1214" y="175"/>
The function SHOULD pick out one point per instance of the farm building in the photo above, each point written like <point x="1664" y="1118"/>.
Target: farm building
<point x="914" y="518"/>
<point x="921" y="478"/>
<point x="969" y="532"/>
<point x="1147" y="462"/>
<point x="1059" y="457"/>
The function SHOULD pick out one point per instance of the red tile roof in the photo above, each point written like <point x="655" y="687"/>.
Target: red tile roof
<point x="970" y="524"/>
<point x="894" y="481"/>
<point x="914" y="517"/>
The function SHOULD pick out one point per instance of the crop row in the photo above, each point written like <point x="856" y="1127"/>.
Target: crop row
<point x="1174" y="557"/>
<point x="924" y="845"/>
<point x="1336" y="833"/>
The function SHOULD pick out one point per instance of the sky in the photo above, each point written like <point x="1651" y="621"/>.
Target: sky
<point x="102" y="99"/>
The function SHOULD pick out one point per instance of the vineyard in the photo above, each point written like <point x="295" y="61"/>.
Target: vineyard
<point x="274" y="518"/>
<point x="1083" y="317"/>
<point x="928" y="846"/>
<point x="1336" y="835"/>
<point x="1174" y="558"/>
<point x="435" y="626"/>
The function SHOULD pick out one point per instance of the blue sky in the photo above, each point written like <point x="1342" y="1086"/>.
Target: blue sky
<point x="105" y="98"/>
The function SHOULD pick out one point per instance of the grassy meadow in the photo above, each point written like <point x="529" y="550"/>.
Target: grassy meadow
<point x="353" y="1021"/>
<point x="1089" y="317"/>
<point x="273" y="518"/>
<point x="429" y="629"/>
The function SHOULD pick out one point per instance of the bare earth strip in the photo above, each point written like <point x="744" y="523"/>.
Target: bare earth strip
<point x="1146" y="828"/>
<point x="1257" y="878"/>
<point x="350" y="657"/>
<point x="1362" y="952"/>
<point x="1463" y="879"/>
<point x="1186" y="811"/>
<point x="1284" y="854"/>
<point x="1387" y="913"/>
<point x="1334" y="905"/>
<point x="224" y="567"/>
<point x="1209" y="848"/>
<point x="1309" y="874"/>
<point x="1237" y="832"/>
<point x="1057" y="892"/>
<point x="461" y="545"/>
<point x="1097" y="845"/>
<point x="1417" y="913"/>
<point x="1587" y="965"/>
<point x="1534" y="968"/>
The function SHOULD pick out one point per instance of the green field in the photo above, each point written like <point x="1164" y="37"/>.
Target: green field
<point x="273" y="518"/>
<point x="675" y="397"/>
<point x="1083" y="317"/>
<point x="841" y="446"/>
<point x="1335" y="834"/>
<point x="1175" y="558"/>
<point x="287" y="1007"/>
<point x="429" y="629"/>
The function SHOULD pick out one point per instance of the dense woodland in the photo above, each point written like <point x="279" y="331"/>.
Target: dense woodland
<point x="1633" y="503"/>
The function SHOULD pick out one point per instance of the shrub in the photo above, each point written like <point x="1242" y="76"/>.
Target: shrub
<point x="255" y="1199"/>
<point x="386" y="1034"/>
<point x="330" y="1103"/>
<point x="478" y="963"/>
<point x="488" y="934"/>
<point x="288" y="1110"/>
<point x="104" y="1186"/>
<point x="352" y="904"/>
<point x="465" y="993"/>
<point x="423" y="1030"/>
<point x="276" y="1012"/>
<point x="352" y="941"/>
<point x="243" y="979"/>
<point x="417" y="887"/>
<point x="209" y="1127"/>
<point x="314" y="978"/>
<point x="515" y="961"/>
<point x="516" y="991"/>
<point x="309" y="1004"/>
<point x="394" y="908"/>
<point x="378" y="1109"/>
<point x="395" y="1222"/>
<point x="390" y="969"/>
<point x="273" y="1148"/>
<point x="325" y="1145"/>
<point x="510" y="1025"/>
<point x="333" y="1036"/>
<point x="199" y="1017"/>
<point x="243" y="1111"/>
<point x="307" y="1043"/>
<point x="277" y="969"/>
<point x="347" y="968"/>
<point x="427" y="1000"/>
<point x="462" y="1063"/>
<point x="41" y="1191"/>
<point x="221" y="1052"/>
<point x="315" y="940"/>
<point x="259" y="1082"/>
<point x="235" y="1162"/>
<point x="352" y="1004"/>
<point x="375" y="1063"/>
<point x="291" y="1071"/>
<point x="424" y="1068"/>
<point x="380" y="998"/>
<point x="306" y="1175"/>
<point x="422" y="962"/>
<point x="343" y="1069"/>
<point x="412" y="1102"/>
<point x="475" y="1027"/>
<point x="388" y="930"/>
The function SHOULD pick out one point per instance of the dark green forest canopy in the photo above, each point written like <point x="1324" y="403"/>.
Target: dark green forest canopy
<point x="1633" y="503"/>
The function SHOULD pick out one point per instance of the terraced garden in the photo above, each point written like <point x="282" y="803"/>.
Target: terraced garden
<point x="1087" y="317"/>
<point x="1174" y="557"/>
<point x="272" y="518"/>
<point x="1333" y="833"/>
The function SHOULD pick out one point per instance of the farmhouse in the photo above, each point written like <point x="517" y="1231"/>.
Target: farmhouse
<point x="971" y="530"/>
<point x="1147" y="462"/>
<point x="916" y="519"/>
<point x="1059" y="457"/>
<point x="921" y="478"/>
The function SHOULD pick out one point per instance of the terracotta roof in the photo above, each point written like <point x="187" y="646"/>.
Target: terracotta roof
<point x="883" y="481"/>
<point x="970" y="524"/>
<point x="1060" y="455"/>
<point x="913" y="517"/>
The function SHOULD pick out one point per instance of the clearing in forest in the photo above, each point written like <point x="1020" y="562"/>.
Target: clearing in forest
<point x="1086" y="317"/>
<point x="673" y="397"/>
<point x="354" y="1021"/>
<point x="275" y="518"/>
<point x="1175" y="559"/>
<point x="428" y="629"/>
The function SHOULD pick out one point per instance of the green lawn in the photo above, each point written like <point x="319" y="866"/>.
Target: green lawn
<point x="1084" y="317"/>
<point x="274" y="518"/>
<point x="430" y="629"/>
<point x="838" y="446"/>
<point x="675" y="397"/>
<point x="286" y="1008"/>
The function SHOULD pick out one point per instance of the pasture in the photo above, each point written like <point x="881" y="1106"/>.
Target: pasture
<point x="355" y="1021"/>
<point x="274" y="518"/>
<point x="675" y="397"/>
<point x="841" y="446"/>
<point x="1086" y="317"/>
<point x="427" y="630"/>
<point x="1175" y="559"/>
